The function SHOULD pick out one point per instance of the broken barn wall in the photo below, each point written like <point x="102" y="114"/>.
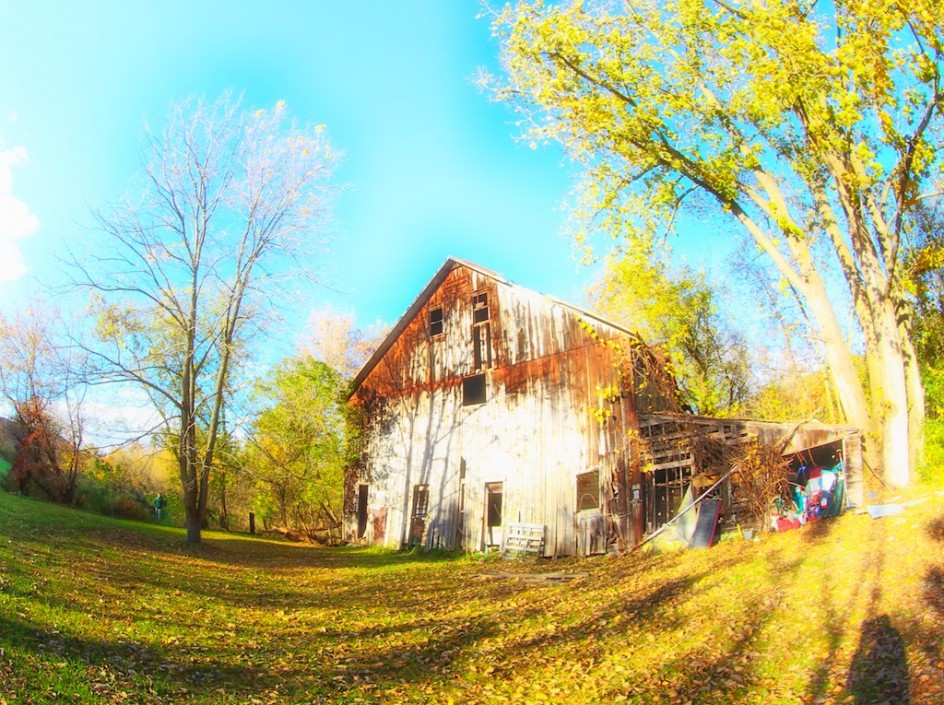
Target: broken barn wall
<point x="677" y="447"/>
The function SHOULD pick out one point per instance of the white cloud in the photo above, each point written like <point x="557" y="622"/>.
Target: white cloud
<point x="16" y="220"/>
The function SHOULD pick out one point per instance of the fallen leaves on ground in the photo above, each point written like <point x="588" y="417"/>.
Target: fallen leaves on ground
<point x="99" y="611"/>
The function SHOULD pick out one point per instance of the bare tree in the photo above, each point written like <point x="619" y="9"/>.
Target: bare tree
<point x="231" y="202"/>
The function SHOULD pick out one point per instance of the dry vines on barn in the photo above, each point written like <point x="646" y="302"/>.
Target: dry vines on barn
<point x="761" y="475"/>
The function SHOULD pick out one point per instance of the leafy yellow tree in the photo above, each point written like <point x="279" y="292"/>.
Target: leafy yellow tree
<point x="676" y="309"/>
<point x="296" y="447"/>
<point x="813" y="125"/>
<point x="232" y="200"/>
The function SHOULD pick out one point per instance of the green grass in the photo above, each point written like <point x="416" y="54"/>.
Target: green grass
<point x="96" y="610"/>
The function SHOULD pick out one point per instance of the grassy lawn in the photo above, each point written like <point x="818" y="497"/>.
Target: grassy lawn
<point x="94" y="610"/>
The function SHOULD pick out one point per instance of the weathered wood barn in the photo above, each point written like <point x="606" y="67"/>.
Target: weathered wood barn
<point x="493" y="412"/>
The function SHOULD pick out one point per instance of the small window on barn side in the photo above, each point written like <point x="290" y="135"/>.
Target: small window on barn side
<point x="588" y="491"/>
<point x="435" y="326"/>
<point x="473" y="390"/>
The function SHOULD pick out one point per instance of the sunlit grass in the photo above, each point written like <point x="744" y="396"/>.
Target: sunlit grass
<point x="104" y="611"/>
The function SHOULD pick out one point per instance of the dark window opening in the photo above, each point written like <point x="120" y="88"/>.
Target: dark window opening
<point x="588" y="491"/>
<point x="361" y="511"/>
<point x="435" y="321"/>
<point x="473" y="390"/>
<point x="480" y="308"/>
<point x="493" y="504"/>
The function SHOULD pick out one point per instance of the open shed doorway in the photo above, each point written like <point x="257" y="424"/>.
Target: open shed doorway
<point x="818" y="485"/>
<point x="665" y="488"/>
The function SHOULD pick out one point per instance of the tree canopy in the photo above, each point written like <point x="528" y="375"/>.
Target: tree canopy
<point x="676" y="309"/>
<point x="296" y="447"/>
<point x="813" y="126"/>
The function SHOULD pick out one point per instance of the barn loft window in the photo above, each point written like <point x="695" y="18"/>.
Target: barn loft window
<point x="481" y="333"/>
<point x="588" y="490"/>
<point x="435" y="326"/>
<point x="473" y="390"/>
<point x="480" y="308"/>
<point x="493" y="504"/>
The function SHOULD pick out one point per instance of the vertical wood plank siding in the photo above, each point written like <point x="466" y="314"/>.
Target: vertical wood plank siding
<point x="534" y="434"/>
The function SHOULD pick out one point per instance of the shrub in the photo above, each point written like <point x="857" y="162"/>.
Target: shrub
<point x="4" y="471"/>
<point x="102" y="497"/>
<point x="931" y="471"/>
<point x="127" y="507"/>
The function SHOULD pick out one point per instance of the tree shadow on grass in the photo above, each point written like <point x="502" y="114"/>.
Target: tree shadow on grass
<point x="934" y="579"/>
<point x="401" y="656"/>
<point x="622" y="608"/>
<point x="929" y="637"/>
<point x="879" y="671"/>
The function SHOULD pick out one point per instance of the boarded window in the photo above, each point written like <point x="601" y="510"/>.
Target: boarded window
<point x="473" y="390"/>
<point x="493" y="504"/>
<point x="435" y="321"/>
<point x="588" y="491"/>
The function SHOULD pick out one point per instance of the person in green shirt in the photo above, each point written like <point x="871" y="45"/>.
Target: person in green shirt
<point x="160" y="503"/>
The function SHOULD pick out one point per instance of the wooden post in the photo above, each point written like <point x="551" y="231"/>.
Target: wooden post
<point x="252" y="523"/>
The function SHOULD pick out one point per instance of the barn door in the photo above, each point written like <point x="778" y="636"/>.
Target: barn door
<point x="361" y="510"/>
<point x="493" y="513"/>
<point x="418" y="516"/>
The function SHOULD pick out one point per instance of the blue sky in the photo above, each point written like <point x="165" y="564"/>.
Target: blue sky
<point x="432" y="164"/>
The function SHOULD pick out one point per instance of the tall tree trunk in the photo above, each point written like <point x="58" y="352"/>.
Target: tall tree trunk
<point x="916" y="408"/>
<point x="891" y="407"/>
<point x="194" y="523"/>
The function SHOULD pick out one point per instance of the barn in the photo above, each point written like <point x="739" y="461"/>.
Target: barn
<point x="493" y="416"/>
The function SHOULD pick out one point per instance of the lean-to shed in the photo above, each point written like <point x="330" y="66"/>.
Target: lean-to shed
<point x="491" y="410"/>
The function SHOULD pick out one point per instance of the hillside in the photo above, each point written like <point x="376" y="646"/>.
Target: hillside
<point x="94" y="610"/>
